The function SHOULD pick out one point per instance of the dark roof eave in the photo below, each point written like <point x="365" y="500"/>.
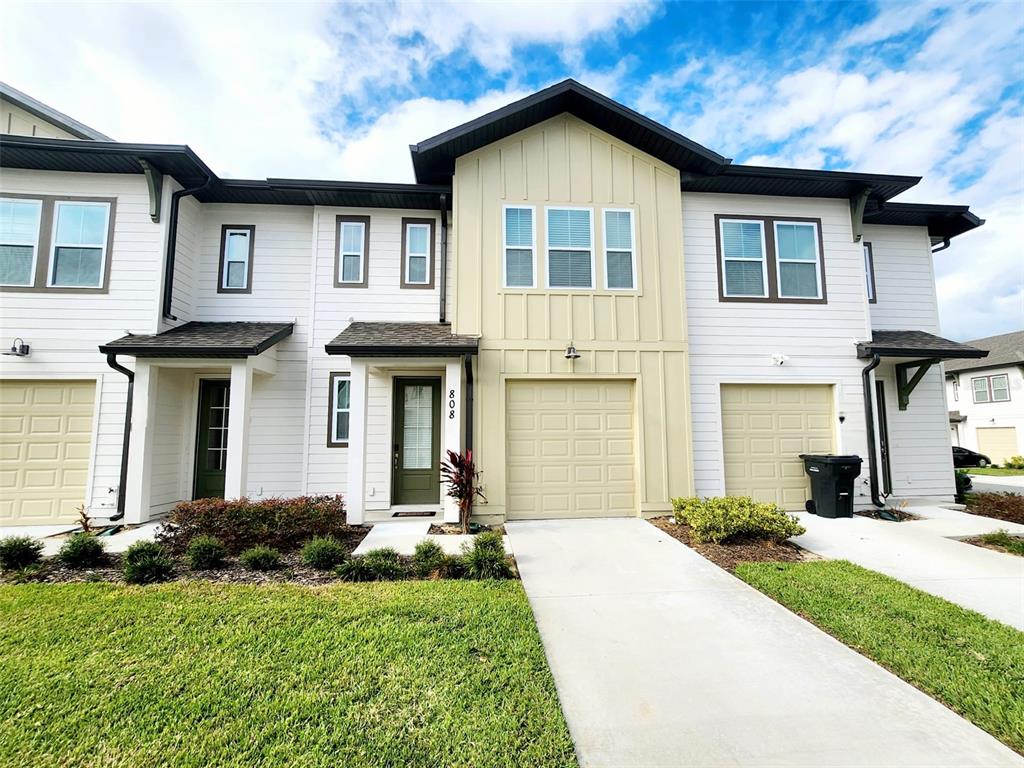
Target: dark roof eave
<point x="357" y="350"/>
<point x="232" y="351"/>
<point x="867" y="349"/>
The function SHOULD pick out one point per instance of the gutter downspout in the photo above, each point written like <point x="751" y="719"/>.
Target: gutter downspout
<point x="944" y="246"/>
<point x="468" y="361"/>
<point x="444" y="257"/>
<point x="123" y="482"/>
<point x="869" y="422"/>
<point x="172" y="244"/>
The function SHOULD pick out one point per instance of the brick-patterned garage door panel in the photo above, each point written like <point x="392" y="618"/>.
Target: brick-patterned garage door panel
<point x="570" y="450"/>
<point x="45" y="440"/>
<point x="765" y="428"/>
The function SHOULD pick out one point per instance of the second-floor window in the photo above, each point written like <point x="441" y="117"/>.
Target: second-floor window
<point x="351" y="257"/>
<point x="796" y="250"/>
<point x="991" y="389"/>
<point x="236" y="258"/>
<point x="19" y="239"/>
<point x="869" y="272"/>
<point x="417" y="253"/>
<point x="619" y="254"/>
<point x="79" y="244"/>
<point x="570" y="248"/>
<point x="743" y="258"/>
<point x="520" y="246"/>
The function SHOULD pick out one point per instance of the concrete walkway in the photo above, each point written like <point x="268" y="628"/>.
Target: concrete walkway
<point x="403" y="536"/>
<point x="663" y="659"/>
<point x="923" y="554"/>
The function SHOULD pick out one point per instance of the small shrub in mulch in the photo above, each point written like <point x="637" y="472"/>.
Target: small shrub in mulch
<point x="82" y="550"/>
<point x="260" y="558"/>
<point x="1000" y="541"/>
<point x="146" y="562"/>
<point x="718" y="519"/>
<point x="485" y="558"/>
<point x="428" y="559"/>
<point x="323" y="553"/>
<point x="17" y="552"/>
<point x="743" y="549"/>
<point x="383" y="564"/>
<point x="205" y="553"/>
<point x="1002" y="506"/>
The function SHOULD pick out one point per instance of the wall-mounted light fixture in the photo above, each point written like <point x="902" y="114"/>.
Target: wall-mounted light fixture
<point x="571" y="353"/>
<point x="19" y="349"/>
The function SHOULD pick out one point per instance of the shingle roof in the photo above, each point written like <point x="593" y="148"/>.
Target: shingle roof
<point x="401" y="340"/>
<point x="1004" y="349"/>
<point x="915" y="344"/>
<point x="49" y="114"/>
<point x="235" y="339"/>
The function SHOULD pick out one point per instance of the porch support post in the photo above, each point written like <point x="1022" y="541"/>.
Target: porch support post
<point x="239" y="407"/>
<point x="140" y="450"/>
<point x="451" y="426"/>
<point x="355" y="499"/>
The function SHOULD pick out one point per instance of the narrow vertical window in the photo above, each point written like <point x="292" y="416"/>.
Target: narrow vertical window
<point x="619" y="254"/>
<point x="338" y="411"/>
<point x="520" y="246"/>
<point x="79" y="243"/>
<point x="869" y="272"/>
<point x="417" y="253"/>
<point x="19" y="240"/>
<point x="236" y="252"/>
<point x="351" y="255"/>
<point x="744" y="267"/>
<point x="570" y="248"/>
<point x="796" y="251"/>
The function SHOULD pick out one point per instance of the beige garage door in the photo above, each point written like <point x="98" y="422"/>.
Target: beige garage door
<point x="765" y="428"/>
<point x="998" y="443"/>
<point x="45" y="436"/>
<point x="570" y="450"/>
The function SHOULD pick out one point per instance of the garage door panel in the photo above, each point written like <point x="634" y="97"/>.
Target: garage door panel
<point x="45" y="446"/>
<point x="998" y="443"/>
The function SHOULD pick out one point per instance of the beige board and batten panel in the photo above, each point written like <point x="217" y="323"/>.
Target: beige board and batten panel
<point x="637" y="335"/>
<point x="765" y="428"/>
<point x="571" y="449"/>
<point x="45" y="443"/>
<point x="998" y="443"/>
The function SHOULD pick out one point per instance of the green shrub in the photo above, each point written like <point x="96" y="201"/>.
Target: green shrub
<point x="146" y="562"/>
<point x="963" y="484"/>
<point x="205" y="553"/>
<point x="260" y="558"/>
<point x="17" y="552"/>
<point x="240" y="523"/>
<point x="323" y="553"/>
<point x="429" y="560"/>
<point x="723" y="518"/>
<point x="1001" y="538"/>
<point x="485" y="557"/>
<point x="83" y="550"/>
<point x="1014" y="462"/>
<point x="383" y="564"/>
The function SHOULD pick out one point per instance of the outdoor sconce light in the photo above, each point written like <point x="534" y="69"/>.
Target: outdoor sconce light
<point x="19" y="349"/>
<point x="571" y="353"/>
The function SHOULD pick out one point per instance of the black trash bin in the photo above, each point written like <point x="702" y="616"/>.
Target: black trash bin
<point x="831" y="483"/>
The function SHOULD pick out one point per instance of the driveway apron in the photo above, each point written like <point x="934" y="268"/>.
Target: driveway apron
<point x="663" y="659"/>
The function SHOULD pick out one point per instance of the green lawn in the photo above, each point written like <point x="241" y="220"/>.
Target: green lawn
<point x="970" y="663"/>
<point x="448" y="673"/>
<point x="1004" y="471"/>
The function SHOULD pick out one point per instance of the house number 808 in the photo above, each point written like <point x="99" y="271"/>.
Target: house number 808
<point x="451" y="403"/>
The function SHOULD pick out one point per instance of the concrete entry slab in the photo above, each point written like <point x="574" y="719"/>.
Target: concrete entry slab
<point x="663" y="659"/>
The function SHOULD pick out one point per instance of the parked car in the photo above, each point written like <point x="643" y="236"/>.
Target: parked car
<point x="963" y="457"/>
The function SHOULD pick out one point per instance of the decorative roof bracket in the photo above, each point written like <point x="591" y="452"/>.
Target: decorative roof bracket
<point x="155" y="182"/>
<point x="905" y="386"/>
<point x="857" y="205"/>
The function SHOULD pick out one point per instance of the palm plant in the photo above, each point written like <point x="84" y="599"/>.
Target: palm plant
<point x="459" y="474"/>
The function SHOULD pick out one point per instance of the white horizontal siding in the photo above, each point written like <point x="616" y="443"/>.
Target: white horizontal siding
<point x="904" y="279"/>
<point x="1004" y="414"/>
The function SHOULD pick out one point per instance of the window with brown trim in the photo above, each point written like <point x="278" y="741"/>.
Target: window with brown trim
<point x="351" y="251"/>
<point x="237" y="242"/>
<point x="991" y="389"/>
<point x="338" y="410"/>
<point x="770" y="259"/>
<point x="417" y="253"/>
<point x="869" y="273"/>
<point x="56" y="244"/>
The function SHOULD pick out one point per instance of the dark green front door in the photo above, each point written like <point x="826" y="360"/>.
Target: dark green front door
<point x="212" y="438"/>
<point x="416" y="443"/>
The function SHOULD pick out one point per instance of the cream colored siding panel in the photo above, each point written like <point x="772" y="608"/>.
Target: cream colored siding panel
<point x="998" y="443"/>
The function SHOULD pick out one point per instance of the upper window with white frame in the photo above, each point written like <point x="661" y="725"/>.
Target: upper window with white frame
<point x="236" y="258"/>
<point x="767" y="259"/>
<point x="352" y="249"/>
<point x="991" y="389"/>
<point x="570" y="247"/>
<point x="417" y="253"/>
<point x="619" y="250"/>
<point x="56" y="244"/>
<point x="869" y="273"/>
<point x="520" y="239"/>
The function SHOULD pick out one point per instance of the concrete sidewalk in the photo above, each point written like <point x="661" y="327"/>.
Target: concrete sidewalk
<point x="663" y="659"/>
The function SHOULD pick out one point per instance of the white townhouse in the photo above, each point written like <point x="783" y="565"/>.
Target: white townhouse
<point x="986" y="398"/>
<point x="605" y="312"/>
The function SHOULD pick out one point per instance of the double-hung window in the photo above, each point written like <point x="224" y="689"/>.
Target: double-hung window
<point x="520" y="246"/>
<point x="79" y="244"/>
<point x="236" y="257"/>
<point x="570" y="248"/>
<point x="619" y="250"/>
<point x="352" y="250"/>
<point x="796" y="251"/>
<point x="417" y="253"/>
<point x="19" y="240"/>
<point x="744" y="266"/>
<point x="991" y="389"/>
<point x="338" y="412"/>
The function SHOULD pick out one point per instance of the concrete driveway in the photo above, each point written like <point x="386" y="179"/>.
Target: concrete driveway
<point x="663" y="659"/>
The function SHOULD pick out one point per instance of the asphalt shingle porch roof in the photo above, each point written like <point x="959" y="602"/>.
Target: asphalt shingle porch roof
<point x="915" y="344"/>
<point x="234" y="339"/>
<point x="401" y="340"/>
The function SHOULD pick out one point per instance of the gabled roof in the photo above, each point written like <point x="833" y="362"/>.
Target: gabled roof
<point x="362" y="339"/>
<point x="49" y="114"/>
<point x="195" y="339"/>
<point x="434" y="159"/>
<point x="943" y="221"/>
<point x="916" y="344"/>
<point x="1004" y="349"/>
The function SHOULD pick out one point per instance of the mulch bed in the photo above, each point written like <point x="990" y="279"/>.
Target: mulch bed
<point x="899" y="514"/>
<point x="978" y="542"/>
<point x="728" y="556"/>
<point x="454" y="529"/>
<point x="1000" y="506"/>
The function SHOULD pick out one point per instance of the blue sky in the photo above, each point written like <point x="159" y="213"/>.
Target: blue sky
<point x="327" y="90"/>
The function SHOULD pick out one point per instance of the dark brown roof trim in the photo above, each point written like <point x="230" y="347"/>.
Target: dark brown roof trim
<point x="164" y="345"/>
<point x="361" y="350"/>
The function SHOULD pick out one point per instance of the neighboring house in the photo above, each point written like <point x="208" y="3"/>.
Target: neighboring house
<point x="606" y="313"/>
<point x="986" y="398"/>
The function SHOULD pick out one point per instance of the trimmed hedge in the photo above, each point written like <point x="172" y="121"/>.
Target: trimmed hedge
<point x="722" y="518"/>
<point x="241" y="523"/>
